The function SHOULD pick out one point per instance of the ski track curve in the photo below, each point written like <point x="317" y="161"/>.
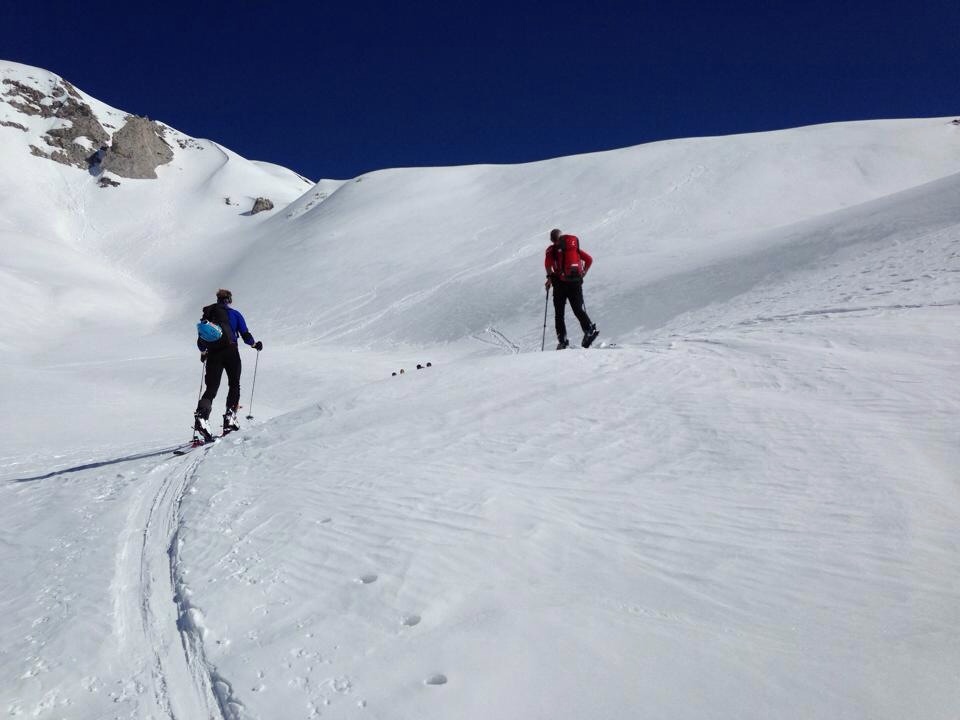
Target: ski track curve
<point x="161" y="615"/>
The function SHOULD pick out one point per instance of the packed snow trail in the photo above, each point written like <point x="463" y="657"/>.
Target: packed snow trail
<point x="147" y="618"/>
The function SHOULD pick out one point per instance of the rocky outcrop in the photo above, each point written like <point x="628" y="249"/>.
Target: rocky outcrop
<point x="261" y="204"/>
<point x="69" y="143"/>
<point x="137" y="150"/>
<point x="31" y="101"/>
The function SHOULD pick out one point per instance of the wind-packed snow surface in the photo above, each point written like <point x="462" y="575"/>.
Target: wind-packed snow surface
<point x="743" y="503"/>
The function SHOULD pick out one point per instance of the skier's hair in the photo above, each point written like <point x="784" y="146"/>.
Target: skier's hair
<point x="554" y="234"/>
<point x="224" y="294"/>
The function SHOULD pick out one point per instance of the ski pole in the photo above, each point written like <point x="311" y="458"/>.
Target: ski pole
<point x="253" y="386"/>
<point x="203" y="374"/>
<point x="546" y="301"/>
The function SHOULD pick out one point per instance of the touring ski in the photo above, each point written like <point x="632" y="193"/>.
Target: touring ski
<point x="193" y="445"/>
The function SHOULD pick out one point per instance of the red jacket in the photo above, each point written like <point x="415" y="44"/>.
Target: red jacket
<point x="553" y="261"/>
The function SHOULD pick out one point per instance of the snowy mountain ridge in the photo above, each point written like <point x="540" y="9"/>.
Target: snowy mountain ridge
<point x="745" y="505"/>
<point x="652" y="211"/>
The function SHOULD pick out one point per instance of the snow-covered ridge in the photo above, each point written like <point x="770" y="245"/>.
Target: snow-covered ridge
<point x="82" y="243"/>
<point x="73" y="129"/>
<point x="64" y="124"/>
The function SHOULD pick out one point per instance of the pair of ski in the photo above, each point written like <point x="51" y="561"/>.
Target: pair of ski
<point x="199" y="442"/>
<point x="587" y="340"/>
<point x="601" y="346"/>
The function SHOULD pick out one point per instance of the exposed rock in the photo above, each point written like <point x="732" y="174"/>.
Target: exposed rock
<point x="71" y="90"/>
<point x="26" y="99"/>
<point x="138" y="149"/>
<point x="189" y="142"/>
<point x="956" y="122"/>
<point x="107" y="182"/>
<point x="66" y="105"/>
<point x="261" y="204"/>
<point x="61" y="157"/>
<point x="83" y="124"/>
<point x="10" y="123"/>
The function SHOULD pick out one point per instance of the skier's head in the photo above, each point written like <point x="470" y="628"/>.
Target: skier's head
<point x="554" y="235"/>
<point x="224" y="296"/>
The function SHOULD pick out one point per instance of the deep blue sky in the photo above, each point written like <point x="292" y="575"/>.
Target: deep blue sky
<point x="338" y="89"/>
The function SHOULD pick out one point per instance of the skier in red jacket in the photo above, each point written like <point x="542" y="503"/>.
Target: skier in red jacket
<point x="566" y="265"/>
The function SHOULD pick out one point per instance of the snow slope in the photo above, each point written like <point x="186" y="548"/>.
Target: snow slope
<point x="747" y="508"/>
<point x="652" y="212"/>
<point x="77" y="256"/>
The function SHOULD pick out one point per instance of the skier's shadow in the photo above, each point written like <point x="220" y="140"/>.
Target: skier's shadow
<point x="94" y="465"/>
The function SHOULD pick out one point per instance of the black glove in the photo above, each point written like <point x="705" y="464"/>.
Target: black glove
<point x="203" y="356"/>
<point x="258" y="346"/>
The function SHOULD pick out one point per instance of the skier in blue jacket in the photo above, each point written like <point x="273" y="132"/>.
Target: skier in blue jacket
<point x="221" y="355"/>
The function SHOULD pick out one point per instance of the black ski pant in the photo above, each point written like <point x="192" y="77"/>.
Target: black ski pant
<point x="217" y="361"/>
<point x="571" y="290"/>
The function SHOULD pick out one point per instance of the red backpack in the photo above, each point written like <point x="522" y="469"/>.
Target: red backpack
<point x="570" y="263"/>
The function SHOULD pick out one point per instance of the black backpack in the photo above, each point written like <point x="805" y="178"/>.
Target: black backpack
<point x="216" y="314"/>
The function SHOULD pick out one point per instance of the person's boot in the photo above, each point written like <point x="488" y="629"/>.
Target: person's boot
<point x="590" y="336"/>
<point x="201" y="429"/>
<point x="230" y="421"/>
<point x="563" y="344"/>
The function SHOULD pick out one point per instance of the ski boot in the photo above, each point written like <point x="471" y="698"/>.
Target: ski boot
<point x="563" y="344"/>
<point x="230" y="421"/>
<point x="590" y="336"/>
<point x="201" y="430"/>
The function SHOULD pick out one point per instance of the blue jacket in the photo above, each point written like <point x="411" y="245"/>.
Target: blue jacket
<point x="238" y="326"/>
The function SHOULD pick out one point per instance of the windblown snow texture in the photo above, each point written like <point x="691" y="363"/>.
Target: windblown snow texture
<point x="748" y="510"/>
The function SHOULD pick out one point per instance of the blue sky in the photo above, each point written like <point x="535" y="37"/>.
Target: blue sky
<point x="339" y="89"/>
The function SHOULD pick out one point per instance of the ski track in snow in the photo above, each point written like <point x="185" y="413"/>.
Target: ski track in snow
<point x="153" y="617"/>
<point x="498" y="340"/>
<point x="212" y="695"/>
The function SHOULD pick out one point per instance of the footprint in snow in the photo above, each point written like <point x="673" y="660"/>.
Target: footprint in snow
<point x="410" y="620"/>
<point x="367" y="579"/>
<point x="437" y="679"/>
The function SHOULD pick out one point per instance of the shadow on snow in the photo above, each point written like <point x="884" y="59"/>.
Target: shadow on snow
<point x="99" y="464"/>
